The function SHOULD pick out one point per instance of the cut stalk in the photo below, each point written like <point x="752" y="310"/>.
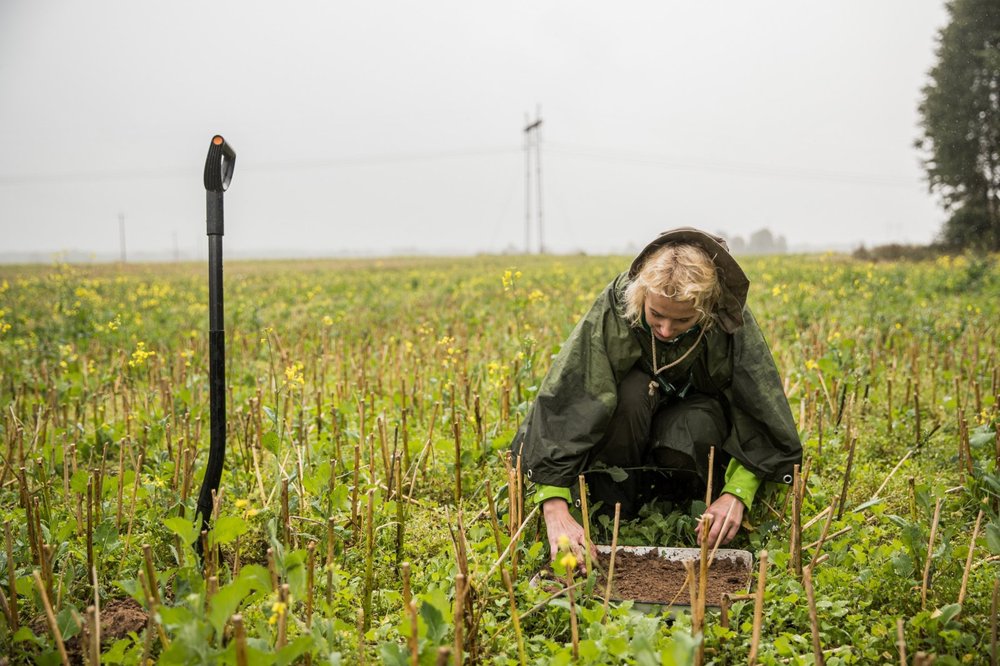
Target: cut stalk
<point x="847" y="478"/>
<point x="514" y="617"/>
<point x="901" y="641"/>
<point x="411" y="640"/>
<point x="585" y="515"/>
<point x="795" y="540"/>
<point x="573" y="628"/>
<point x="930" y="551"/>
<point x="240" y="636"/>
<point x="310" y="582"/>
<point x="50" y="617"/>
<point x="611" y="560"/>
<point x="11" y="578"/>
<point x="758" y="608"/>
<point x="968" y="559"/>
<point x="458" y="619"/>
<point x="369" y="557"/>
<point x="813" y="620"/>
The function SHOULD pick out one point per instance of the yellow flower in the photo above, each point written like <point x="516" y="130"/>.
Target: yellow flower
<point x="327" y="320"/>
<point x="140" y="355"/>
<point x="568" y="561"/>
<point x="811" y="364"/>
<point x="293" y="374"/>
<point x="563" y="541"/>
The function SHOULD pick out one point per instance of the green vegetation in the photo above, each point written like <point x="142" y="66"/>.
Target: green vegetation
<point x="369" y="410"/>
<point x="960" y="122"/>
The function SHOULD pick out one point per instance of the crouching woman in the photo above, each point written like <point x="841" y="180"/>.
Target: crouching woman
<point x="668" y="363"/>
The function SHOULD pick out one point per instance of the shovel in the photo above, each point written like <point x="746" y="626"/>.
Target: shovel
<point x="218" y="172"/>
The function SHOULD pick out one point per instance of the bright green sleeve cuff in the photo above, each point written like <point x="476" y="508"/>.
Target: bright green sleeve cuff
<point x="543" y="493"/>
<point x="741" y="482"/>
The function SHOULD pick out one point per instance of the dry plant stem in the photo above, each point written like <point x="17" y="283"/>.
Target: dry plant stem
<point x="282" y="616"/>
<point x="310" y="581"/>
<point x="131" y="508"/>
<point x="831" y="537"/>
<point x="240" y="637"/>
<point x="369" y="557"/>
<point x="494" y="523"/>
<point x="611" y="561"/>
<point x="93" y="643"/>
<point x="815" y="519"/>
<point x="711" y="469"/>
<point x="459" y="621"/>
<point x="362" y="645"/>
<point x="154" y="586"/>
<point x="930" y="551"/>
<point x="514" y="618"/>
<point x="97" y="614"/>
<point x="994" y="613"/>
<point x="50" y="617"/>
<point x="411" y="640"/>
<point x="692" y="596"/>
<point x="795" y="540"/>
<point x="813" y="620"/>
<point x="706" y="528"/>
<point x="272" y="568"/>
<point x="574" y="630"/>
<point x="891" y="474"/>
<point x="585" y="515"/>
<point x="901" y="641"/>
<point x="511" y="545"/>
<point x="758" y="608"/>
<point x="826" y="529"/>
<point x="847" y="478"/>
<point x="11" y="578"/>
<point x="968" y="559"/>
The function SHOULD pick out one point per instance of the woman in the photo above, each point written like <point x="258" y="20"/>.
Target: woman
<point x="668" y="363"/>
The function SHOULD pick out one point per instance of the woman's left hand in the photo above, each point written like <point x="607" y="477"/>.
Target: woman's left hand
<point x="727" y="515"/>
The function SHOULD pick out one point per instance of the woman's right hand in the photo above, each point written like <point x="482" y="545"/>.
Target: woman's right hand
<point x="559" y="522"/>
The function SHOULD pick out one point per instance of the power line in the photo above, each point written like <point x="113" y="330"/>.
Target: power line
<point x="739" y="168"/>
<point x="599" y="154"/>
<point x="289" y="165"/>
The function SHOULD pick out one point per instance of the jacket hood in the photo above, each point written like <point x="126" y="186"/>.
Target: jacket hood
<point x="732" y="279"/>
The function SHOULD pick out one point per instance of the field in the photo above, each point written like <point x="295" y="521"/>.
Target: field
<point x="365" y="515"/>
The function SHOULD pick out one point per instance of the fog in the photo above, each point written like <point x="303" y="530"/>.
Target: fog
<point x="381" y="128"/>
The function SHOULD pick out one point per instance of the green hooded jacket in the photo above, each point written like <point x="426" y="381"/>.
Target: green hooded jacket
<point x="732" y="364"/>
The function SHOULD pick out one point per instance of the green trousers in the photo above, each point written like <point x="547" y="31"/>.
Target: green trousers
<point x="663" y="444"/>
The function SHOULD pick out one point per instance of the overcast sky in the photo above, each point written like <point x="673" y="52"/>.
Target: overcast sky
<point x="381" y="127"/>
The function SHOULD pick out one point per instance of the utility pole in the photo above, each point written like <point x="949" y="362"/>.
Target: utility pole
<point x="533" y="136"/>
<point x="121" y="236"/>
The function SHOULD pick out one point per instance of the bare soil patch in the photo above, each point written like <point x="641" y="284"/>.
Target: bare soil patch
<point x="653" y="579"/>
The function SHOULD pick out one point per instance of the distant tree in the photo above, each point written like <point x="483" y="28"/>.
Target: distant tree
<point x="960" y="123"/>
<point x="763" y="241"/>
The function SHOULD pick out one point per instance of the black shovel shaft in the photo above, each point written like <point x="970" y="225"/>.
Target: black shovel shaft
<point x="218" y="173"/>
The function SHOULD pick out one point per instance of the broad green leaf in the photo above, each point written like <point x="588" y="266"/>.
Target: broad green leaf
<point x="993" y="538"/>
<point x="67" y="625"/>
<point x="291" y="652"/>
<point x="225" y="602"/>
<point x="182" y="527"/>
<point x="227" y="528"/>
<point x="437" y="627"/>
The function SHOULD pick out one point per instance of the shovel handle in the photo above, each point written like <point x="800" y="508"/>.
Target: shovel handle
<point x="219" y="165"/>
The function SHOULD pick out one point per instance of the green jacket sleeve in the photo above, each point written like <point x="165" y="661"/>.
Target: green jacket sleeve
<point x="578" y="396"/>
<point x="740" y="482"/>
<point x="543" y="493"/>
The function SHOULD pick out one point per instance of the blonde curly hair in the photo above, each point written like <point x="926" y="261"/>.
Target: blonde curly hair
<point x="679" y="271"/>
